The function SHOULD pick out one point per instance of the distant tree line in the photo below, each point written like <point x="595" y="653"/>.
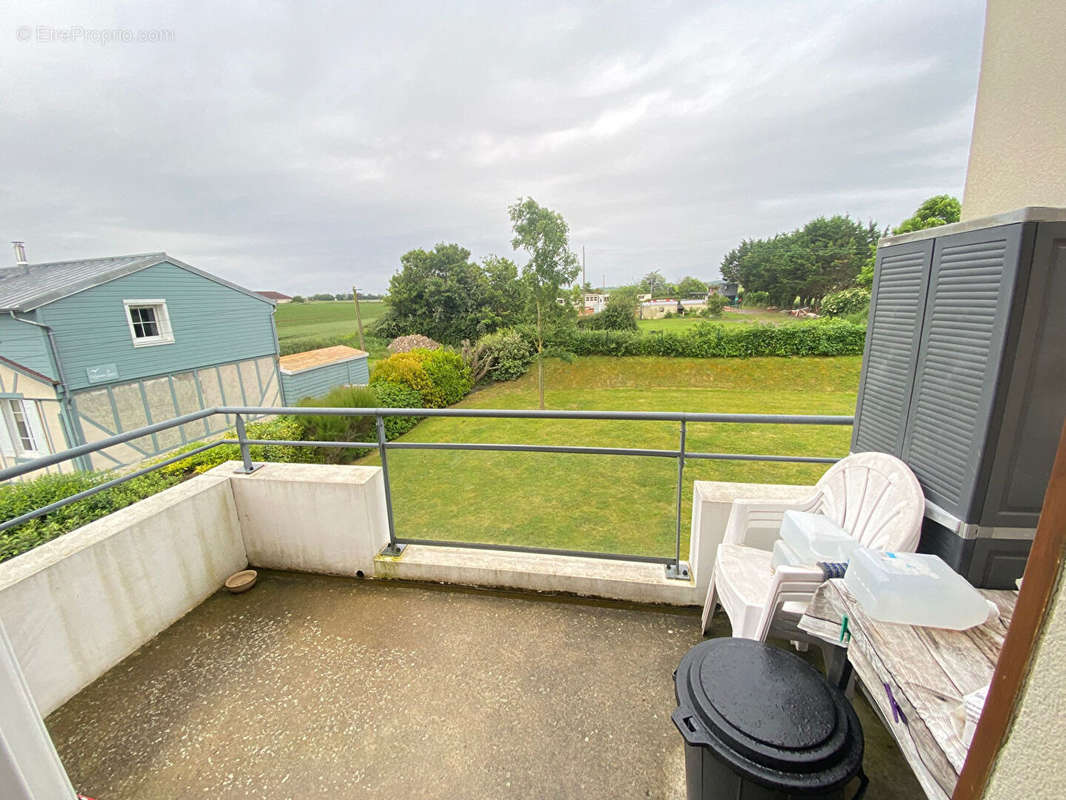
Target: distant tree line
<point x="826" y="255"/>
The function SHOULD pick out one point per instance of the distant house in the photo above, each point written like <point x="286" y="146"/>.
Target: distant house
<point x="728" y="289"/>
<point x="96" y="347"/>
<point x="593" y="302"/>
<point x="277" y="297"/>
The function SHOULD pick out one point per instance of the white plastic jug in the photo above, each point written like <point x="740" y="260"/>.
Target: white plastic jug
<point x="814" y="537"/>
<point x="915" y="589"/>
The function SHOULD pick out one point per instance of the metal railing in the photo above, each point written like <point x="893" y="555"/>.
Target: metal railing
<point x="675" y="567"/>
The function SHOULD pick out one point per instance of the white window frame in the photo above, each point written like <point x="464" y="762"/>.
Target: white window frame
<point x="34" y="421"/>
<point x="162" y="318"/>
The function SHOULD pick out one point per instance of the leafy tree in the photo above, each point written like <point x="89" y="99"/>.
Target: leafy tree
<point x="321" y="296"/>
<point x="438" y="293"/>
<point x="298" y="299"/>
<point x="544" y="235"/>
<point x="690" y="285"/>
<point x="654" y="284"/>
<point x="619" y="315"/>
<point x="824" y="255"/>
<point x="504" y="300"/>
<point x="940" y="210"/>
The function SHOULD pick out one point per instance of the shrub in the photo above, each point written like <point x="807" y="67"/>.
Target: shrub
<point x="715" y="304"/>
<point x="757" y="299"/>
<point x="397" y="395"/>
<point x="330" y="428"/>
<point x="829" y="337"/>
<point x="450" y="376"/>
<point x="613" y="318"/>
<point x="846" y="301"/>
<point x="405" y="368"/>
<point x="284" y="428"/>
<point x="477" y="358"/>
<point x="405" y="344"/>
<point x="18" y="498"/>
<point x="511" y="354"/>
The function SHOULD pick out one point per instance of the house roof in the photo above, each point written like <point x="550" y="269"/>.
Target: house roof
<point x="24" y="288"/>
<point x="271" y="295"/>
<point x="298" y="362"/>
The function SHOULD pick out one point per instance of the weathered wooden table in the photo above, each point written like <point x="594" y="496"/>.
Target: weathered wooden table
<point x="917" y="676"/>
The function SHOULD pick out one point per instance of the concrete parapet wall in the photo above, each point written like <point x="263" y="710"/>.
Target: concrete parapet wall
<point x="323" y="518"/>
<point x="76" y="606"/>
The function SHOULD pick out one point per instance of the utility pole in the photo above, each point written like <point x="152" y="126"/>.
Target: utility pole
<point x="358" y="318"/>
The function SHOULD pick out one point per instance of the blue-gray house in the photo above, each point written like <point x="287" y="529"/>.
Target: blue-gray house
<point x="95" y="347"/>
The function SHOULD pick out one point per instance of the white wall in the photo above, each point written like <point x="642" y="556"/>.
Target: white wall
<point x="311" y="517"/>
<point x="1029" y="763"/>
<point x="76" y="606"/>
<point x="1019" y="130"/>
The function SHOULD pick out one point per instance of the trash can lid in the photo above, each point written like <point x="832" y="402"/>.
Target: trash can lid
<point x="768" y="713"/>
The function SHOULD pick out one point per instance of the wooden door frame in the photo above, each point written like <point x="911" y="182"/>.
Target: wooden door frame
<point x="1043" y="572"/>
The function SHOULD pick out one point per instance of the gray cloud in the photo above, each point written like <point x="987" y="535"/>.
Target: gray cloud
<point x="304" y="148"/>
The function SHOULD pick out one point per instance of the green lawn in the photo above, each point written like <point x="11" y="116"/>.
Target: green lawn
<point x="678" y="324"/>
<point x="323" y="318"/>
<point x="614" y="503"/>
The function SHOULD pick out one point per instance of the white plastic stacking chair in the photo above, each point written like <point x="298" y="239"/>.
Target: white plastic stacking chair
<point x="873" y="496"/>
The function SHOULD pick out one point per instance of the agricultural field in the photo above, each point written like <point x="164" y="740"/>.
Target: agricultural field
<point x="321" y="323"/>
<point x="622" y="504"/>
<point x="323" y="318"/>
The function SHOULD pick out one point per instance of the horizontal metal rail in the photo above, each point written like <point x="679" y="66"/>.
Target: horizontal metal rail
<point x="524" y="413"/>
<point x="102" y="487"/>
<point x="675" y="567"/>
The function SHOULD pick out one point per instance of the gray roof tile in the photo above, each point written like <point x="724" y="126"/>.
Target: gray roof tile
<point x="35" y="285"/>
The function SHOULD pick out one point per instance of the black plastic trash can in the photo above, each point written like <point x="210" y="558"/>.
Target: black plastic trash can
<point x="760" y="723"/>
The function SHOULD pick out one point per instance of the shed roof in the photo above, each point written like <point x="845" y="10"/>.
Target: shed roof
<point x="24" y="288"/>
<point x="270" y="294"/>
<point x="298" y="362"/>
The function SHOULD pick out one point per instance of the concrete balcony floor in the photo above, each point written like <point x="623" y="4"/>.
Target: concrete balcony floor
<point x="311" y="686"/>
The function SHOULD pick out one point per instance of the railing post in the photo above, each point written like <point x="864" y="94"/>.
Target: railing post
<point x="247" y="467"/>
<point x="392" y="548"/>
<point x="679" y="569"/>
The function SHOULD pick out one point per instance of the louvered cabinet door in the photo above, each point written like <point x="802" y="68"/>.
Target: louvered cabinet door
<point x="971" y="288"/>
<point x="893" y="333"/>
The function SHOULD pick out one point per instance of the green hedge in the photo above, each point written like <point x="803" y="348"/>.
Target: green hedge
<point x="18" y="498"/>
<point x="709" y="340"/>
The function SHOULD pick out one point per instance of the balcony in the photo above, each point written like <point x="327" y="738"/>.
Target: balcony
<point x="350" y="670"/>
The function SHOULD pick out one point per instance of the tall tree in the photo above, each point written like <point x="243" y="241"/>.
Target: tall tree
<point x="504" y="294"/>
<point x="438" y="293"/>
<point x="940" y="210"/>
<point x="544" y="235"/>
<point x="823" y="255"/>
<point x="653" y="283"/>
<point x="689" y="285"/>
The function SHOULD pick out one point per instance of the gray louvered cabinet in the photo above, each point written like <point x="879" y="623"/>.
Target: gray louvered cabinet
<point x="964" y="378"/>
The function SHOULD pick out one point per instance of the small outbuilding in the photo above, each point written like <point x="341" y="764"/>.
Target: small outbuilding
<point x="315" y="372"/>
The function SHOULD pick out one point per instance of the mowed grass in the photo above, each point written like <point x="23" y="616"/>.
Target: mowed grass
<point x="621" y="504"/>
<point x="678" y="324"/>
<point x="323" y="318"/>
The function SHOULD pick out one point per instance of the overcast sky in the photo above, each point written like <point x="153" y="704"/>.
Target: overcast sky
<point x="299" y="147"/>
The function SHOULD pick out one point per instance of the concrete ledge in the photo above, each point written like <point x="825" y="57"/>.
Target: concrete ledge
<point x="589" y="577"/>
<point x="76" y="606"/>
<point x="324" y="518"/>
